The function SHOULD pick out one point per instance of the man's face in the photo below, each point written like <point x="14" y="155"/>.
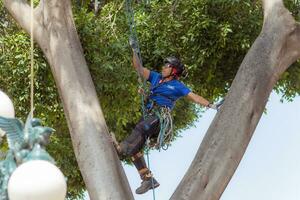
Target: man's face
<point x="166" y="70"/>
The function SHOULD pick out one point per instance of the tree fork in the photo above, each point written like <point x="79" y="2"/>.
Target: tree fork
<point x="227" y="138"/>
<point x="55" y="32"/>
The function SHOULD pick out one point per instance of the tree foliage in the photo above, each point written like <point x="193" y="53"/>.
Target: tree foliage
<point x="211" y="38"/>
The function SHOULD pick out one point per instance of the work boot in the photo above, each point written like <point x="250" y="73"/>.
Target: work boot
<point x="146" y="185"/>
<point x="116" y="144"/>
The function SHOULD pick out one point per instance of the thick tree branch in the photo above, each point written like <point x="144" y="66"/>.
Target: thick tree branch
<point x="227" y="138"/>
<point x="97" y="159"/>
<point x="281" y="28"/>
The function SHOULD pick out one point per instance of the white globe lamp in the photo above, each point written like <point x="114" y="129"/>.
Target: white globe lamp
<point x="37" y="180"/>
<point x="6" y="106"/>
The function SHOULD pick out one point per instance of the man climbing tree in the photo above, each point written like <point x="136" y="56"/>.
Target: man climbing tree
<point x="165" y="90"/>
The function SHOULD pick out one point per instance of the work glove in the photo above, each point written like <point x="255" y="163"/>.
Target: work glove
<point x="217" y="105"/>
<point x="133" y="43"/>
<point x="141" y="91"/>
<point x="212" y="106"/>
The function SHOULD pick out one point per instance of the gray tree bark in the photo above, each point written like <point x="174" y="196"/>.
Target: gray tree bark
<point x="55" y="32"/>
<point x="227" y="138"/>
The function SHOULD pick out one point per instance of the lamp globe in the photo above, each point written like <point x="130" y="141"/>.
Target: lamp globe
<point x="6" y="106"/>
<point x="37" y="180"/>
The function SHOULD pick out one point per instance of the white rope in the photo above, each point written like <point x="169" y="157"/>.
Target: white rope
<point x="31" y="61"/>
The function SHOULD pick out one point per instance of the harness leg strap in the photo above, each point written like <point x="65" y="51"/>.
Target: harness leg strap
<point x="140" y="164"/>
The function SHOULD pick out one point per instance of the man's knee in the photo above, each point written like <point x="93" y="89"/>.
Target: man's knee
<point x="126" y="149"/>
<point x="137" y="139"/>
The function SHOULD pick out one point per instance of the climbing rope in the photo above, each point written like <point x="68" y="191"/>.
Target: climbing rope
<point x="149" y="167"/>
<point x="135" y="45"/>
<point x="31" y="60"/>
<point x="133" y="39"/>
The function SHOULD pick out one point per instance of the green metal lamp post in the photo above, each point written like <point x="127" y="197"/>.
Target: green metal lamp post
<point x="27" y="170"/>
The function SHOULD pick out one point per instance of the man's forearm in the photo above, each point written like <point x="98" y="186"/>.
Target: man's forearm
<point x="202" y="101"/>
<point x="198" y="99"/>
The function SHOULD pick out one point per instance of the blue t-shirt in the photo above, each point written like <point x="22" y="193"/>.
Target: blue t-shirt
<point x="166" y="93"/>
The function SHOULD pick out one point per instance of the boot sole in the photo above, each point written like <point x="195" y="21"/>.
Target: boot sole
<point x="151" y="188"/>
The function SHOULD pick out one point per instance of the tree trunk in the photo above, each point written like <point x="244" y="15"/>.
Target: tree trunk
<point x="227" y="138"/>
<point x="56" y="34"/>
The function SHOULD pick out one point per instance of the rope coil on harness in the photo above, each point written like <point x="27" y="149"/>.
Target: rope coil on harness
<point x="166" y="129"/>
<point x="166" y="133"/>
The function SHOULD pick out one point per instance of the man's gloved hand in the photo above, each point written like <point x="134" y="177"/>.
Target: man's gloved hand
<point x="133" y="43"/>
<point x="213" y="106"/>
<point x="141" y="90"/>
<point x="216" y="106"/>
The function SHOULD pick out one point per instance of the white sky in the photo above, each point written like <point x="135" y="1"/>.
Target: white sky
<point x="269" y="170"/>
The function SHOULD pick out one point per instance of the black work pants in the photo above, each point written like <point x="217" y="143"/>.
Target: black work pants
<point x="135" y="142"/>
<point x="145" y="128"/>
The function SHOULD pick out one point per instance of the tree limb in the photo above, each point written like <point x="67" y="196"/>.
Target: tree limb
<point x="56" y="34"/>
<point x="278" y="19"/>
<point x="227" y="138"/>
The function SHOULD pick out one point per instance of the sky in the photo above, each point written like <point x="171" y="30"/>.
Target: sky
<point x="269" y="170"/>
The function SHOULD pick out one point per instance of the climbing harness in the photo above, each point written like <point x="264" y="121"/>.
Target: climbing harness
<point x="166" y="133"/>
